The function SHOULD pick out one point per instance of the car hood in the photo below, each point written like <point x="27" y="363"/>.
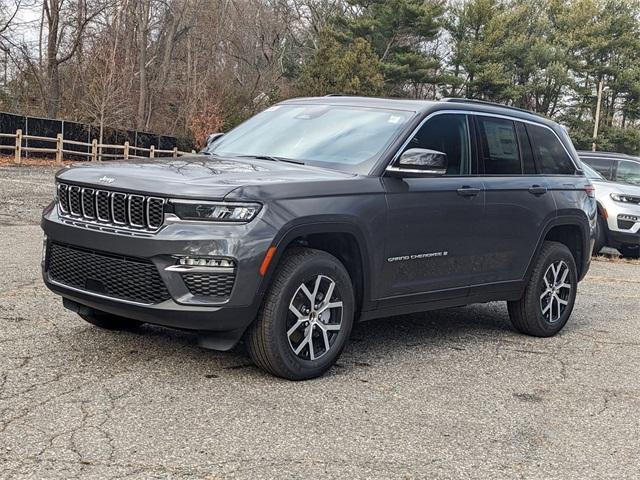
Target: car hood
<point x="607" y="187"/>
<point x="197" y="176"/>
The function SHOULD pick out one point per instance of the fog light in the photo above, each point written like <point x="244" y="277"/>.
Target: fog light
<point x="206" y="262"/>
<point x="629" y="218"/>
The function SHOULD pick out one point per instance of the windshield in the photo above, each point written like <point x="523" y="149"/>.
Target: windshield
<point x="591" y="173"/>
<point x="341" y="137"/>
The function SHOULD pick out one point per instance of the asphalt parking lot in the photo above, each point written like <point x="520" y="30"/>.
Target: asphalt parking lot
<point x="448" y="394"/>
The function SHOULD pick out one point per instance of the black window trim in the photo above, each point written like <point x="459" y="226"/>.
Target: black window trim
<point x="391" y="164"/>
<point x="524" y="143"/>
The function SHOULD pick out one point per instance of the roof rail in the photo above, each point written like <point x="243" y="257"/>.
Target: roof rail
<point x="489" y="104"/>
<point x="599" y="153"/>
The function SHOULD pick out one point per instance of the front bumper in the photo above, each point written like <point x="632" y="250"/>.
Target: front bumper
<point x="246" y="244"/>
<point x="620" y="231"/>
<point x="617" y="239"/>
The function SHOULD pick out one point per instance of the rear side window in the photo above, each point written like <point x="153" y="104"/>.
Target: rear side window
<point x="551" y="157"/>
<point x="628" y="172"/>
<point x="600" y="165"/>
<point x="500" y="153"/>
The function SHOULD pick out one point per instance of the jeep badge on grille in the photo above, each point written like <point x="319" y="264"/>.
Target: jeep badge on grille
<point x="105" y="179"/>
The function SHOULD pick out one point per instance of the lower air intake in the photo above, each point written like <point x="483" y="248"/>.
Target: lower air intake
<point x="125" y="278"/>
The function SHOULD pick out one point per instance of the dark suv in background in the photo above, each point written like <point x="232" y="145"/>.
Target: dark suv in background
<point x="320" y="212"/>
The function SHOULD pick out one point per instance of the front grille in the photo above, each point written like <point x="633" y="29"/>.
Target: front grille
<point x="106" y="207"/>
<point x="215" y="285"/>
<point x="126" y="278"/>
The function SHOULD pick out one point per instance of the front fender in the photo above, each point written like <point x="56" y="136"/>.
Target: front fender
<point x="318" y="224"/>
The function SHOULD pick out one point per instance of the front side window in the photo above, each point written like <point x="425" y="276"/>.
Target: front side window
<point x="628" y="172"/>
<point x="337" y="136"/>
<point x="449" y="134"/>
<point x="550" y="155"/>
<point x="601" y="165"/>
<point x="499" y="146"/>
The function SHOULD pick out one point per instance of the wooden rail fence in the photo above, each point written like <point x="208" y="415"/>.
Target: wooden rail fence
<point x="96" y="154"/>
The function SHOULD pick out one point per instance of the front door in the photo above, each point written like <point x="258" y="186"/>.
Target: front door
<point x="434" y="221"/>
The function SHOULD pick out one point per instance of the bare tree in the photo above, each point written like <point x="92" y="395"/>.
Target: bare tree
<point x="106" y="102"/>
<point x="65" y="27"/>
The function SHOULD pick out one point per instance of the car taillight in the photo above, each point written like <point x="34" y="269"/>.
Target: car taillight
<point x="590" y="190"/>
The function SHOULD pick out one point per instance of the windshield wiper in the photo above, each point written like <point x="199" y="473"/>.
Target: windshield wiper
<point x="273" y="158"/>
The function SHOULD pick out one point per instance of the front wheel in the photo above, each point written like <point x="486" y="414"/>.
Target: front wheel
<point x="550" y="294"/>
<point x="306" y="317"/>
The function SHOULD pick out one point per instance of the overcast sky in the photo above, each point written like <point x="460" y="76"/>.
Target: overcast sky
<point x="27" y="21"/>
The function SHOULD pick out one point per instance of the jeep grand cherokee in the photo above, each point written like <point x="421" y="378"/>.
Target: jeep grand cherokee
<point x="319" y="212"/>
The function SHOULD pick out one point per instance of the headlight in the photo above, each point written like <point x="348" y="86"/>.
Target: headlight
<point x="619" y="197"/>
<point x="215" y="211"/>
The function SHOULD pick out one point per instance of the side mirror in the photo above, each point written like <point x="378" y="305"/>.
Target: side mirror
<point x="421" y="160"/>
<point x="211" y="139"/>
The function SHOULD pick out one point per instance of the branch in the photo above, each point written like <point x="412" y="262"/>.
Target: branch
<point x="80" y="32"/>
<point x="8" y="22"/>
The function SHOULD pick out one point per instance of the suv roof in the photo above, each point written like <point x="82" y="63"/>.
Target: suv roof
<point x="426" y="106"/>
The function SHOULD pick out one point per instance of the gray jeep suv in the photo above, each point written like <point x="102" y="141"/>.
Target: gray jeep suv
<point x="320" y="212"/>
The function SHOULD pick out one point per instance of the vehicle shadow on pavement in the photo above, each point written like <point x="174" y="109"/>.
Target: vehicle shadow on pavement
<point x="178" y="351"/>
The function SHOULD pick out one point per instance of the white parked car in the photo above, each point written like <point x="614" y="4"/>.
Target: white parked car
<point x="618" y="214"/>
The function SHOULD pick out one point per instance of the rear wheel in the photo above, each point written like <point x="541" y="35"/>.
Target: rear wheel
<point x="108" y="321"/>
<point x="630" y="251"/>
<point x="306" y="316"/>
<point x="550" y="294"/>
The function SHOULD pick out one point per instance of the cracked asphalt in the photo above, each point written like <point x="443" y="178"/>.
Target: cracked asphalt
<point x="448" y="394"/>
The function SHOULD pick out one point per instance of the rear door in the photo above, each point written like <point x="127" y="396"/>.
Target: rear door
<point x="517" y="199"/>
<point x="554" y="162"/>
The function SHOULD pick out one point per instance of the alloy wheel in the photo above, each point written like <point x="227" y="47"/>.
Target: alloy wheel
<point x="314" y="318"/>
<point x="556" y="291"/>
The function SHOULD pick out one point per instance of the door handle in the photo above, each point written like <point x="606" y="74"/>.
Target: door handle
<point x="537" y="190"/>
<point x="468" y="191"/>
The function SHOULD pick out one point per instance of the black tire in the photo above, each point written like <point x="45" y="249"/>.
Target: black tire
<point x="269" y="343"/>
<point x="108" y="321"/>
<point x="601" y="235"/>
<point x="630" y="251"/>
<point x="528" y="314"/>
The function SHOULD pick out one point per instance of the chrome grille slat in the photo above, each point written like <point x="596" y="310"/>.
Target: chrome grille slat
<point x="155" y="212"/>
<point x="121" y="210"/>
<point x="136" y="210"/>
<point x="87" y="203"/>
<point x="75" y="203"/>
<point x="63" y="198"/>
<point x="103" y="210"/>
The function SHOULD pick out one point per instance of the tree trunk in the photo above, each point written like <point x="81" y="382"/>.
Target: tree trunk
<point x="143" y="26"/>
<point x="52" y="101"/>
